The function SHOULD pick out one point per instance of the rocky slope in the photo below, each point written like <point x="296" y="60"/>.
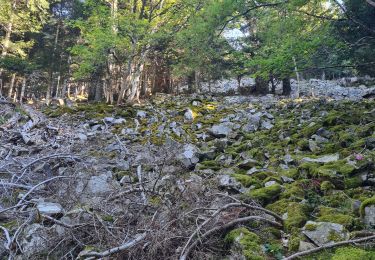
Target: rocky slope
<point x="196" y="177"/>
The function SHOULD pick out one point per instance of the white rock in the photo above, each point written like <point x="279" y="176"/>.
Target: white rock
<point x="49" y="208"/>
<point x="323" y="159"/>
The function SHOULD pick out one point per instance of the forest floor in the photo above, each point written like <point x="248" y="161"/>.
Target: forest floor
<point x="189" y="177"/>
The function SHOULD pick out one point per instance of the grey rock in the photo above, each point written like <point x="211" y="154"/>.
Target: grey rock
<point x="369" y="217"/>
<point x="248" y="164"/>
<point x="222" y="130"/>
<point x="303" y="246"/>
<point x="141" y="114"/>
<point x="266" y="125"/>
<point x="370" y="143"/>
<point x="323" y="159"/>
<point x="119" y="121"/>
<point x="270" y="183"/>
<point x="35" y="240"/>
<point x="189" y="156"/>
<point x="324" y="232"/>
<point x="97" y="127"/>
<point x="286" y="179"/>
<point x="49" y="208"/>
<point x="324" y="133"/>
<point x="319" y="139"/>
<point x="313" y="146"/>
<point x="189" y="115"/>
<point x="229" y="183"/>
<point x="99" y="185"/>
<point x="81" y="137"/>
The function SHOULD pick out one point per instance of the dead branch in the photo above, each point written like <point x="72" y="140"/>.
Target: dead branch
<point x="343" y="243"/>
<point x="58" y="222"/>
<point x="39" y="184"/>
<point x="230" y="205"/>
<point x="370" y="2"/>
<point x="185" y="253"/>
<point x="7" y="236"/>
<point x="136" y="240"/>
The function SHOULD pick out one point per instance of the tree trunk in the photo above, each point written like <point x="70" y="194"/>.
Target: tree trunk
<point x="273" y="89"/>
<point x="286" y="86"/>
<point x="261" y="86"/>
<point x="297" y="75"/>
<point x="22" y="95"/>
<point x="11" y="87"/>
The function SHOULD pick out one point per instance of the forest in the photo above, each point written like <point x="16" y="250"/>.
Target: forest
<point x="187" y="129"/>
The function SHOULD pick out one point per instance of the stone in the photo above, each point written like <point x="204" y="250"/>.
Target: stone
<point x="266" y="125"/>
<point x="222" y="130"/>
<point x="81" y="137"/>
<point x="270" y="183"/>
<point x="313" y="146"/>
<point x="286" y="179"/>
<point x="369" y="216"/>
<point x="119" y="121"/>
<point x="248" y="164"/>
<point x="325" y="233"/>
<point x="99" y="185"/>
<point x="141" y="114"/>
<point x="35" y="240"/>
<point x="324" y="133"/>
<point x="189" y="156"/>
<point x="319" y="139"/>
<point x="323" y="159"/>
<point x="303" y="246"/>
<point x="370" y="143"/>
<point x="49" y="208"/>
<point x="229" y="183"/>
<point x="189" y="115"/>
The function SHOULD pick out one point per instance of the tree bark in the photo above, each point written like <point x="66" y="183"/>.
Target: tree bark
<point x="11" y="86"/>
<point x="23" y="88"/>
<point x="297" y="75"/>
<point x="261" y="86"/>
<point x="286" y="86"/>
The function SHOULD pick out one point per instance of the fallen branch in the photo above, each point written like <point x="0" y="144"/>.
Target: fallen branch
<point x="224" y="227"/>
<point x="217" y="212"/>
<point x="58" y="222"/>
<point x="39" y="184"/>
<point x="94" y="255"/>
<point x="343" y="243"/>
<point x="7" y="236"/>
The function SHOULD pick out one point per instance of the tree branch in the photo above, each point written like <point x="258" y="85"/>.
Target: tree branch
<point x="370" y="2"/>
<point x="343" y="243"/>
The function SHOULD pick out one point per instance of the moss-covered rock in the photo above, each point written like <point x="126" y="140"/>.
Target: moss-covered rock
<point x="333" y="215"/>
<point x="366" y="203"/>
<point x="246" y="243"/>
<point x="265" y="195"/>
<point x="352" y="253"/>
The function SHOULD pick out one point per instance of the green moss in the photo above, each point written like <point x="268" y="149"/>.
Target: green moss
<point x="247" y="241"/>
<point x="326" y="186"/>
<point x="311" y="129"/>
<point x="353" y="182"/>
<point x="297" y="213"/>
<point x="310" y="227"/>
<point x="293" y="191"/>
<point x="334" y="236"/>
<point x="293" y="243"/>
<point x="352" y="253"/>
<point x="365" y="203"/>
<point x="214" y="165"/>
<point x="291" y="173"/>
<point x="267" y="194"/>
<point x="108" y="218"/>
<point x="333" y="215"/>
<point x="246" y="180"/>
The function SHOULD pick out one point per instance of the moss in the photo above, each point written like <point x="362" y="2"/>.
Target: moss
<point x="353" y="182"/>
<point x="291" y="173"/>
<point x="297" y="213"/>
<point x="365" y="203"/>
<point x="247" y="241"/>
<point x="294" y="241"/>
<point x="246" y="180"/>
<point x="311" y="129"/>
<point x="214" y="165"/>
<point x="333" y="215"/>
<point x="293" y="191"/>
<point x="334" y="236"/>
<point x="267" y="194"/>
<point x="352" y="253"/>
<point x="108" y="218"/>
<point x="326" y="186"/>
<point x="310" y="227"/>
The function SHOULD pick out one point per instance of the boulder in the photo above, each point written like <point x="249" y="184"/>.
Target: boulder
<point x="248" y="164"/>
<point x="325" y="233"/>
